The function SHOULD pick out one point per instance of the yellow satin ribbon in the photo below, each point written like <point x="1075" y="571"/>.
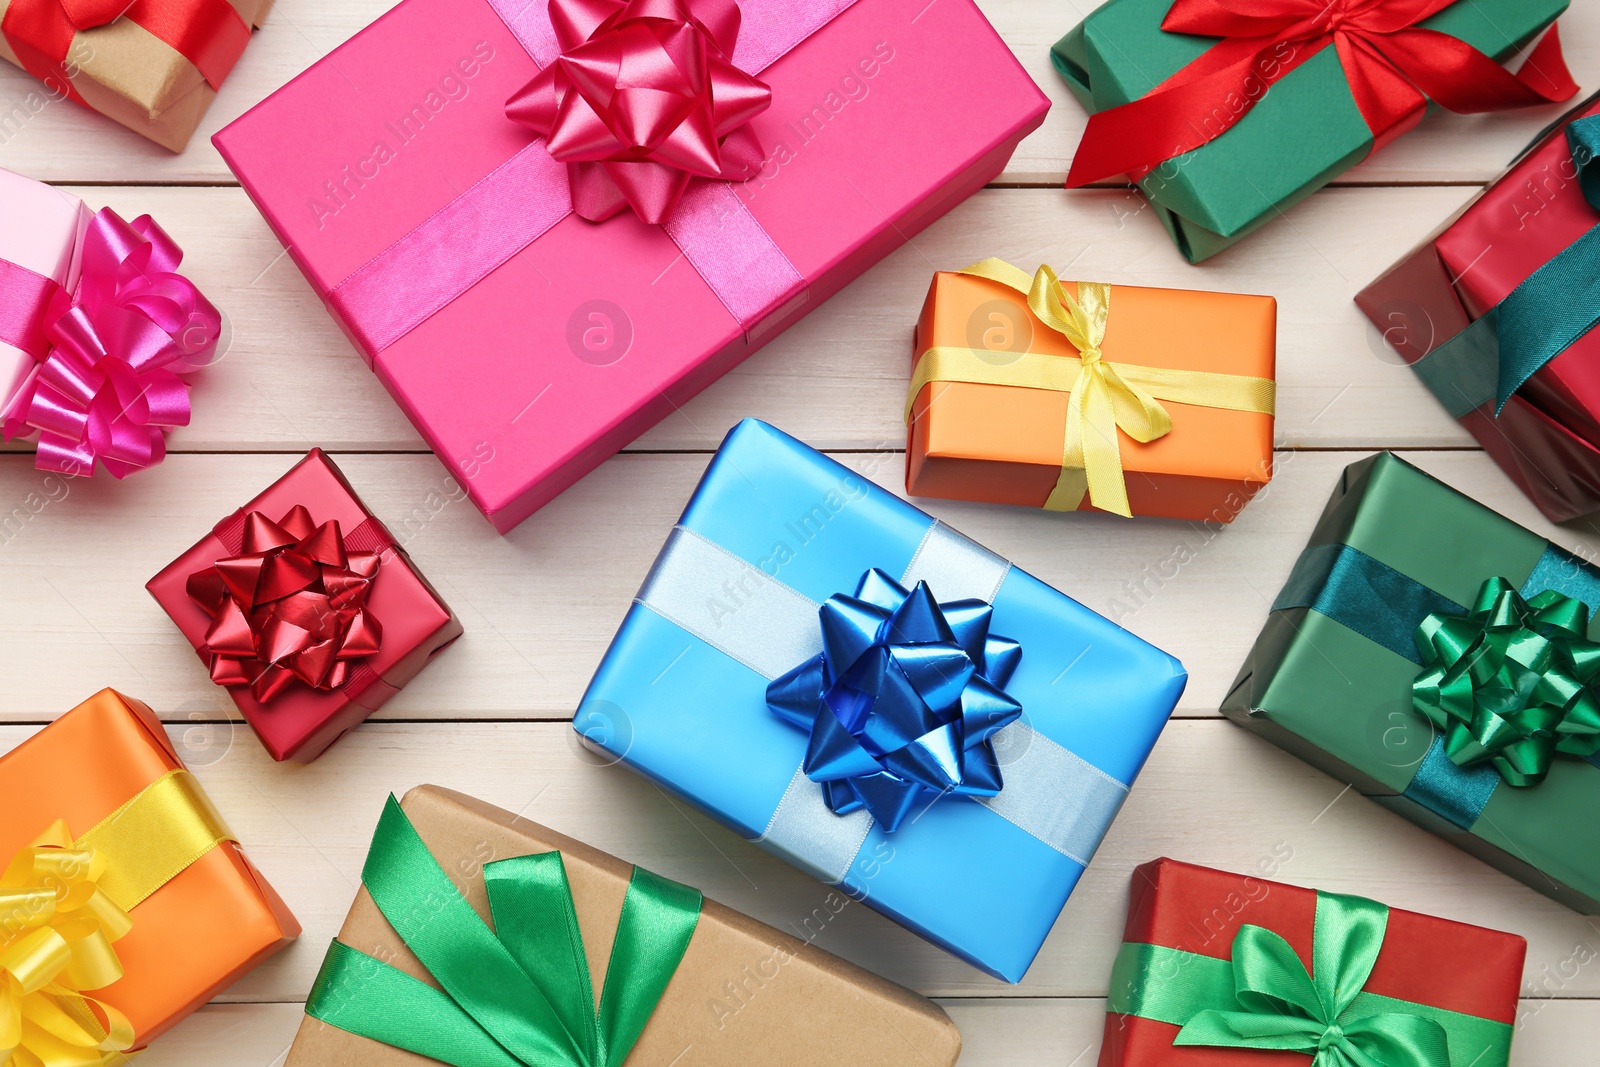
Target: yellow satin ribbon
<point x="64" y="902"/>
<point x="1104" y="396"/>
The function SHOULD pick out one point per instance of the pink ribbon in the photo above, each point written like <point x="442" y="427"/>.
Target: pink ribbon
<point x="642" y="97"/>
<point x="515" y="204"/>
<point x="109" y="388"/>
<point x="25" y="298"/>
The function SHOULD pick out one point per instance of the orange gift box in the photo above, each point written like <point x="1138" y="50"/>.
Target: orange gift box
<point x="200" y="930"/>
<point x="1004" y="444"/>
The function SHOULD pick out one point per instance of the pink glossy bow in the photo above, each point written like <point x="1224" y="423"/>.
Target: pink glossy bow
<point x="643" y="97"/>
<point x="290" y="606"/>
<point x="109" y="389"/>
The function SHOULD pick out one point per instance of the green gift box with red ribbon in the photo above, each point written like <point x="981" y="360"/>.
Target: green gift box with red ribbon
<point x="1443" y="660"/>
<point x="1225" y="119"/>
<point x="1229" y="970"/>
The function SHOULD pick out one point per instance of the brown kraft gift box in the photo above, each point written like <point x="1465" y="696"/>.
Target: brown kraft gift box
<point x="787" y="1004"/>
<point x="131" y="76"/>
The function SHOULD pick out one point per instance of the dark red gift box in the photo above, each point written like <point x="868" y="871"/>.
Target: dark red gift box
<point x="1424" y="960"/>
<point x="296" y="721"/>
<point x="1547" y="438"/>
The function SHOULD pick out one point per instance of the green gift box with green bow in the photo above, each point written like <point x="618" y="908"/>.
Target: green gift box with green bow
<point x="1442" y="659"/>
<point x="481" y="939"/>
<point x="1227" y="969"/>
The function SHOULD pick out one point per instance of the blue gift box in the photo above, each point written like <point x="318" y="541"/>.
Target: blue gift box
<point x="734" y="604"/>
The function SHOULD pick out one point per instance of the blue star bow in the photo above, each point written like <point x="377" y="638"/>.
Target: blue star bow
<point x="903" y="701"/>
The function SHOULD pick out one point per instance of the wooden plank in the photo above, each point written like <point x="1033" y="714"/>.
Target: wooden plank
<point x="995" y="1033"/>
<point x="62" y="142"/>
<point x="1211" y="794"/>
<point x="541" y="605"/>
<point x="290" y="379"/>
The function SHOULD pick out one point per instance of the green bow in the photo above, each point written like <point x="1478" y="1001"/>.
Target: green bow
<point x="1287" y="1009"/>
<point x="1511" y="683"/>
<point x="1265" y="999"/>
<point x="519" y="995"/>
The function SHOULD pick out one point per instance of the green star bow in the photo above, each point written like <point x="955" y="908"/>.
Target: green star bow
<point x="1512" y="682"/>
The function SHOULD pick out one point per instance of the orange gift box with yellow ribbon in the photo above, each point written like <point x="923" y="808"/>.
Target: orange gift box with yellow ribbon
<point x="126" y="902"/>
<point x="1085" y="396"/>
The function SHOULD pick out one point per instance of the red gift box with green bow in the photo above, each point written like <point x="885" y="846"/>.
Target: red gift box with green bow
<point x="1229" y="970"/>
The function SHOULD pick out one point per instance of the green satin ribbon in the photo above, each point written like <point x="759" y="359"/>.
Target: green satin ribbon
<point x="1511" y="683"/>
<point x="1265" y="999"/>
<point x="520" y="995"/>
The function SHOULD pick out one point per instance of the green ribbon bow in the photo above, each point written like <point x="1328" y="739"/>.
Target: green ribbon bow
<point x="1265" y="999"/>
<point x="519" y="995"/>
<point x="1285" y="1008"/>
<point x="1511" y="683"/>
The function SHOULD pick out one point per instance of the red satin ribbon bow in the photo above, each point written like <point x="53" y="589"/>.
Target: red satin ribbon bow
<point x="208" y="33"/>
<point x="290" y="606"/>
<point x="1394" y="68"/>
<point x="109" y="388"/>
<point x="643" y="97"/>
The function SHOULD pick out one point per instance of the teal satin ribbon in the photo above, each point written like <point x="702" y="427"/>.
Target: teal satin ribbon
<point x="1537" y="321"/>
<point x="1264" y="998"/>
<point x="1386" y="607"/>
<point x="519" y="995"/>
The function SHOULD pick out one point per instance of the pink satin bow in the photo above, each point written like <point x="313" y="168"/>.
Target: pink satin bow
<point x="109" y="389"/>
<point x="290" y="606"/>
<point x="643" y="97"/>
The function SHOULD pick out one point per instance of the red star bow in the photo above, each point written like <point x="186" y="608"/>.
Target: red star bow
<point x="291" y="605"/>
<point x="643" y="97"/>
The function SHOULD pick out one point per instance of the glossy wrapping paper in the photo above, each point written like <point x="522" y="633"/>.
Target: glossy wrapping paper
<point x="800" y="1006"/>
<point x="670" y="703"/>
<point x="1296" y="138"/>
<point x="1343" y="702"/>
<point x="199" y="932"/>
<point x="41" y="231"/>
<point x="154" y="66"/>
<point x="1424" y="960"/>
<point x="1547" y="437"/>
<point x="1003" y="445"/>
<point x="882" y="120"/>
<point x="299" y="723"/>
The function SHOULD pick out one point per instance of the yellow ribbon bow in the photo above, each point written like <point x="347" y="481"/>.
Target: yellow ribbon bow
<point x="63" y="902"/>
<point x="57" y="925"/>
<point x="1104" y="397"/>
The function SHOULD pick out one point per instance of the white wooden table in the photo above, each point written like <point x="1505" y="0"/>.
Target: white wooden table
<point x="540" y="605"/>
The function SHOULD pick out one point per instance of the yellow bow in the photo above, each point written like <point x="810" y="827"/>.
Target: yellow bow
<point x="1104" y="397"/>
<point x="57" y="925"/>
<point x="63" y="902"/>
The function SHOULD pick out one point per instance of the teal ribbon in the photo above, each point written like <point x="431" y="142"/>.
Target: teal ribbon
<point x="517" y="995"/>
<point x="1537" y="321"/>
<point x="1264" y="999"/>
<point x="1386" y="607"/>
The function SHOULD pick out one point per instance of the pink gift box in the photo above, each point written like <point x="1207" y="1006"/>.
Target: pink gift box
<point x="528" y="344"/>
<point x="41" y="235"/>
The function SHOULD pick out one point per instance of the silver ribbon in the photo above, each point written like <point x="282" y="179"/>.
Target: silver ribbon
<point x="749" y="615"/>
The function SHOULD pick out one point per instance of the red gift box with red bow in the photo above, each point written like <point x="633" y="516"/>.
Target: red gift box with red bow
<point x="305" y="607"/>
